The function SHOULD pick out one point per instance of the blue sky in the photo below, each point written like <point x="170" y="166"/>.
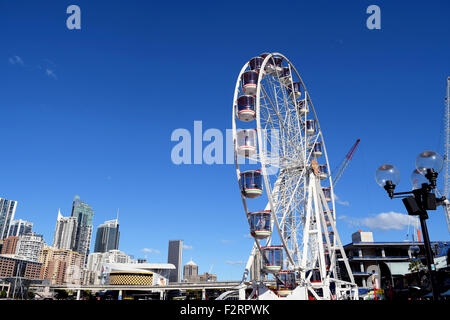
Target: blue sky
<point x="90" y="112"/>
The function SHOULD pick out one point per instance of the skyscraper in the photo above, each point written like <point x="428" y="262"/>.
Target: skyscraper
<point x="175" y="257"/>
<point x="20" y="227"/>
<point x="190" y="272"/>
<point x="84" y="214"/>
<point x="107" y="237"/>
<point x="65" y="232"/>
<point x="7" y="211"/>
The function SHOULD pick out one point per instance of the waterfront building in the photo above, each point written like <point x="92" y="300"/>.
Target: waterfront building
<point x="7" y="212"/>
<point x="175" y="257"/>
<point x="136" y="273"/>
<point x="388" y="264"/>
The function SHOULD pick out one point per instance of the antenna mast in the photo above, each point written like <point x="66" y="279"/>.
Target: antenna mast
<point x="446" y="205"/>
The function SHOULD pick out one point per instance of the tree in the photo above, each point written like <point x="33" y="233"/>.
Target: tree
<point x="61" y="294"/>
<point x="416" y="266"/>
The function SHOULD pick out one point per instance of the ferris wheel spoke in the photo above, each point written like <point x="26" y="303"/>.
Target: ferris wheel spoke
<point x="284" y="129"/>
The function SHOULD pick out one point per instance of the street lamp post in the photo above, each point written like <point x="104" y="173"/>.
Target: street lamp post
<point x="419" y="200"/>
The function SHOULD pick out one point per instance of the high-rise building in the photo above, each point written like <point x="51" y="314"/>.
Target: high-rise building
<point x="7" y="211"/>
<point x="175" y="257"/>
<point x="65" y="232"/>
<point x="61" y="266"/>
<point x="190" y="272"/>
<point x="29" y="246"/>
<point x="107" y="237"/>
<point x="84" y="214"/>
<point x="20" y="227"/>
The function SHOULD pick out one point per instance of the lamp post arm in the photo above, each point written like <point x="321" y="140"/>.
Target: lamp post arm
<point x="398" y="195"/>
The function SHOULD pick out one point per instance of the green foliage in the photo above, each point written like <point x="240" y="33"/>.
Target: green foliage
<point x="416" y="266"/>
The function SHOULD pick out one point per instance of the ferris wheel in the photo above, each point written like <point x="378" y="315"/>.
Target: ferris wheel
<point x="285" y="186"/>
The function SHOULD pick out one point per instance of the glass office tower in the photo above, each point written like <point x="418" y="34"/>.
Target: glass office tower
<point x="107" y="237"/>
<point x="7" y="211"/>
<point x="84" y="214"/>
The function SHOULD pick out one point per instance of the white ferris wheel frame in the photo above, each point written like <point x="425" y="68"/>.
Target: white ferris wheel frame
<point x="314" y="192"/>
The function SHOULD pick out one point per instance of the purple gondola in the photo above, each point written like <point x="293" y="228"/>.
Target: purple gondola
<point x="246" y="142"/>
<point x="246" y="108"/>
<point x="260" y="224"/>
<point x="317" y="150"/>
<point x="251" y="183"/>
<point x="272" y="258"/>
<point x="249" y="82"/>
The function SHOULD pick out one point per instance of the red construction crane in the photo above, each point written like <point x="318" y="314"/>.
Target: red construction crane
<point x="337" y="174"/>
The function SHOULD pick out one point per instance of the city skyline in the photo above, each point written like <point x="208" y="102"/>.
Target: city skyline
<point x="97" y="121"/>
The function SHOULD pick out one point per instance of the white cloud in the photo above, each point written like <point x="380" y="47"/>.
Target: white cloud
<point x="150" y="250"/>
<point x="51" y="73"/>
<point x="227" y="241"/>
<point x="48" y="61"/>
<point x="384" y="221"/>
<point x="186" y="247"/>
<point x="16" y="60"/>
<point x="49" y="70"/>
<point x="341" y="202"/>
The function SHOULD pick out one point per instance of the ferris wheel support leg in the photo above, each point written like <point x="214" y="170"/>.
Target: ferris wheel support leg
<point x="318" y="215"/>
<point x="339" y="244"/>
<point x="447" y="214"/>
<point x="306" y="234"/>
<point x="249" y="265"/>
